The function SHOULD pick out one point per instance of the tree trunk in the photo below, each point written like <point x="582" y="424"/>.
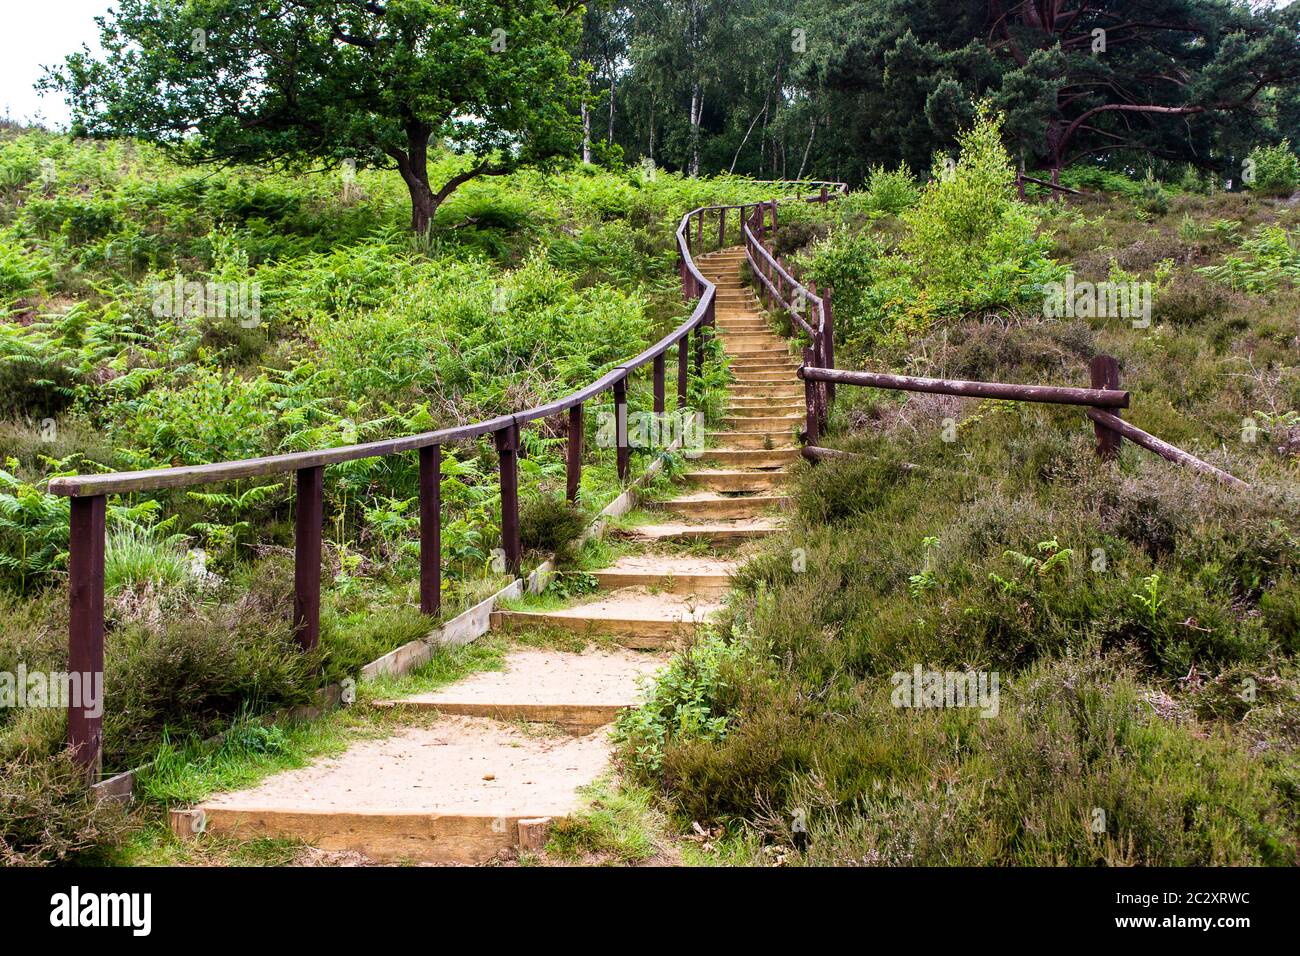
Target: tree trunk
<point x="423" y="207"/>
<point x="610" y="138"/>
<point x="697" y="108"/>
<point x="414" y="167"/>
<point x="586" y="132"/>
<point x="807" y="149"/>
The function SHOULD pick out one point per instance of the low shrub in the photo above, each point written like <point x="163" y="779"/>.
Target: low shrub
<point x="550" y="524"/>
<point x="1275" y="170"/>
<point x="47" y="815"/>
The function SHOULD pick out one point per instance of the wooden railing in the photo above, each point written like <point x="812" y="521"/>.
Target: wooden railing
<point x="813" y="314"/>
<point x="89" y="493"/>
<point x="808" y="309"/>
<point x="1101" y="403"/>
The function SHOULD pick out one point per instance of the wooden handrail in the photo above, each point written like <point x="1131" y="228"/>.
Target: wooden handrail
<point x="1099" y="404"/>
<point x="88" y="493"/>
<point x="1051" y="394"/>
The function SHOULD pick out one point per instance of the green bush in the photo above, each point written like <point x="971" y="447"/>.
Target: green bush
<point x="689" y="701"/>
<point x="47" y="815"/>
<point x="891" y="193"/>
<point x="551" y="525"/>
<point x="1276" y="170"/>
<point x="971" y="244"/>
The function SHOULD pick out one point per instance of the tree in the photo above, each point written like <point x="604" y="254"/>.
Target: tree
<point x="371" y="81"/>
<point x="604" y="47"/>
<point x="1182" y="80"/>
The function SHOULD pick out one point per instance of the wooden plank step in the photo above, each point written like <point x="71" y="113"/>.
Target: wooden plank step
<point x="761" y="408"/>
<point x="768" y="390"/>
<point x="457" y="791"/>
<point x="632" y="618"/>
<point x="719" y="534"/>
<point x="674" y="574"/>
<point x="773" y="424"/>
<point x="746" y="458"/>
<point x="764" y="377"/>
<point x="736" y="481"/>
<point x="711" y="505"/>
<point x="767" y="438"/>
<point x="579" y="692"/>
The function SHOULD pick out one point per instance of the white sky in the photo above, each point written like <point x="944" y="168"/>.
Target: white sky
<point x="38" y="33"/>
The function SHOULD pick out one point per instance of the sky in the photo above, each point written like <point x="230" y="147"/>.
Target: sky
<point x="40" y="33"/>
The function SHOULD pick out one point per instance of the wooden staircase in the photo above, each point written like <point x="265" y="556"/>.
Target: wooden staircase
<point x="429" y="793"/>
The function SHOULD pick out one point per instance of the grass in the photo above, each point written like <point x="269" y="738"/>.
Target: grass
<point x="1142" y="619"/>
<point x="617" y="825"/>
<point x="251" y="750"/>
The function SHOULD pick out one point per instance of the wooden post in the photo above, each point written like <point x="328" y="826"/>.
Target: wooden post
<point x="774" y="217"/>
<point x="810" y="399"/>
<point x="825" y="197"/>
<point x="722" y="227"/>
<point x="507" y="442"/>
<point x="306" y="568"/>
<point x="86" y="631"/>
<point x="658" y="367"/>
<point x="1103" y="372"/>
<point x="682" y="356"/>
<point x="623" y="455"/>
<point x="573" y="477"/>
<point x="430" y="529"/>
<point x="828" y="340"/>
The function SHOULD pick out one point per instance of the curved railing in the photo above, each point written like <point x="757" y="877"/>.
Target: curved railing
<point x="88" y="493"/>
<point x="776" y="283"/>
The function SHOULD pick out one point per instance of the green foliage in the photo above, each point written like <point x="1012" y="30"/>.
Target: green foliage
<point x="971" y="244"/>
<point x="137" y="557"/>
<point x="47" y="816"/>
<point x="688" y="701"/>
<point x="1276" y="170"/>
<point x="891" y="193"/>
<point x="550" y="524"/>
<point x="967" y="244"/>
<point x="33" y="531"/>
<point x="1269" y="259"/>
<point x="492" y="80"/>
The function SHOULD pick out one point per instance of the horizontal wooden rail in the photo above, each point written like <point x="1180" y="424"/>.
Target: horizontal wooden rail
<point x="1162" y="448"/>
<point x="1052" y="394"/>
<point x="1099" y="403"/>
<point x="89" y="492"/>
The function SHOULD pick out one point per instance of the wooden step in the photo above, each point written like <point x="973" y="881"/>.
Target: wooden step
<point x="736" y="481"/>
<point x="770" y="390"/>
<point x="719" y="534"/>
<point x="764" y="408"/>
<point x="762" y="354"/>
<point x="711" y="505"/>
<point x="674" y="574"/>
<point x="765" y="377"/>
<point x="766" y="363"/>
<point x="777" y="424"/>
<point x="456" y="791"/>
<point x="632" y="618"/>
<point x="750" y="458"/>
<point x="578" y="692"/>
<point x="780" y="438"/>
